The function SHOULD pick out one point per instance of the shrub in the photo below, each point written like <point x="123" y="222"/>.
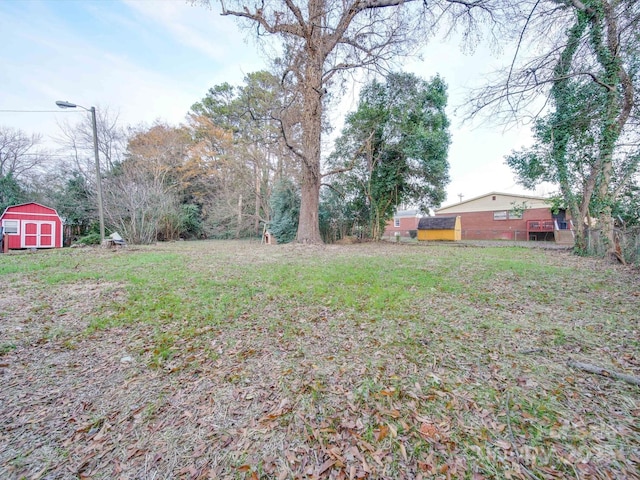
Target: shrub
<point x="285" y="208"/>
<point x="90" y="239"/>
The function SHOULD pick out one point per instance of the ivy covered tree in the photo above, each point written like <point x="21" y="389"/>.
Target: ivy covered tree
<point x="393" y="150"/>
<point x="626" y="211"/>
<point x="588" y="68"/>
<point x="566" y="153"/>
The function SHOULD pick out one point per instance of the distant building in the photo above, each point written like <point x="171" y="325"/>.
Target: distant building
<point x="403" y="222"/>
<point x="504" y="216"/>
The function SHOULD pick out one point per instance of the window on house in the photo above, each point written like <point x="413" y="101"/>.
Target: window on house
<point x="493" y="198"/>
<point x="10" y="227"/>
<point x="515" y="215"/>
<point x="396" y="222"/>
<point x="501" y="215"/>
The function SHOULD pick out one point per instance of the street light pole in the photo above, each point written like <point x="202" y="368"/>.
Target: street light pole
<point x="64" y="104"/>
<point x="98" y="175"/>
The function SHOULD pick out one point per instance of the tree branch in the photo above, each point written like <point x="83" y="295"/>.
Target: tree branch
<point x="582" y="7"/>
<point x="258" y="17"/>
<point x="587" y="367"/>
<point x="338" y="170"/>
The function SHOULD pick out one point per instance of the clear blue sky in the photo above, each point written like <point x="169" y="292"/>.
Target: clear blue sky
<point x="152" y="60"/>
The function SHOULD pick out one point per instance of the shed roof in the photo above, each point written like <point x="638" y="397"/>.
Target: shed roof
<point x="437" y="223"/>
<point x="20" y="208"/>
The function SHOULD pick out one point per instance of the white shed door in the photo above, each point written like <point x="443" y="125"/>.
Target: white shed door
<point x="38" y="234"/>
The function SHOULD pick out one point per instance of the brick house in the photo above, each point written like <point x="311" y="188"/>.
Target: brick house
<point x="504" y="216"/>
<point x="402" y="223"/>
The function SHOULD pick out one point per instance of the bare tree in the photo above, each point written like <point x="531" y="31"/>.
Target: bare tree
<point x="142" y="195"/>
<point x="324" y="38"/>
<point x="19" y="153"/>
<point x="78" y="138"/>
<point x="136" y="203"/>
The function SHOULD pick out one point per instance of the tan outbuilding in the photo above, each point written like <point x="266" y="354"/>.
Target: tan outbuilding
<point x="440" y="228"/>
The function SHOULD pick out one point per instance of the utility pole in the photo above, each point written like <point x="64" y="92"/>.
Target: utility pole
<point x="66" y="104"/>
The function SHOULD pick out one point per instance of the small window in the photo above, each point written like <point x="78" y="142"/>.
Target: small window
<point x="493" y="198"/>
<point x="501" y="215"/>
<point x="396" y="222"/>
<point x="10" y="227"/>
<point x="515" y="215"/>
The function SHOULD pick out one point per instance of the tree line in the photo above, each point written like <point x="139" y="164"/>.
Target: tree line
<point x="256" y="154"/>
<point x="573" y="75"/>
<point x="230" y="169"/>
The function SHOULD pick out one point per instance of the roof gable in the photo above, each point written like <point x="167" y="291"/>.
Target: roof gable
<point x="28" y="208"/>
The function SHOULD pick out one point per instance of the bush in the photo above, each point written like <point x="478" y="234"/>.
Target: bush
<point x="190" y="220"/>
<point x="285" y="208"/>
<point x="413" y="233"/>
<point x="90" y="239"/>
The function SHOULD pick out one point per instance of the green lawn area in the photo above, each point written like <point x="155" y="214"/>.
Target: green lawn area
<point x="233" y="360"/>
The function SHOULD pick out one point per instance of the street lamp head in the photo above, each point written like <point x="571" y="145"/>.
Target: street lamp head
<point x="64" y="104"/>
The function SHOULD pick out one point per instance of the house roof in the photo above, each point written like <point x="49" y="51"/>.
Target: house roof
<point x="437" y="223"/>
<point x="406" y="213"/>
<point x="494" y="201"/>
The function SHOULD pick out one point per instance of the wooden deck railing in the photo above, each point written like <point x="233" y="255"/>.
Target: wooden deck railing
<point x="540" y="225"/>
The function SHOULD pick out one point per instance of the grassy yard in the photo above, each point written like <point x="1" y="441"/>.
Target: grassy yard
<point x="233" y="360"/>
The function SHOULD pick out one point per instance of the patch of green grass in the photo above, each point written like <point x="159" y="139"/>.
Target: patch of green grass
<point x="559" y="337"/>
<point x="7" y="348"/>
<point x="26" y="264"/>
<point x="163" y="348"/>
<point x="55" y="333"/>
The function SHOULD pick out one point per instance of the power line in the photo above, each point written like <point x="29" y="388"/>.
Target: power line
<point x="38" y="111"/>
<point x="44" y="154"/>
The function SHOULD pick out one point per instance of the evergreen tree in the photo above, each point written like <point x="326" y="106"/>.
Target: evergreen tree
<point x="285" y="208"/>
<point x="393" y="150"/>
<point x="11" y="193"/>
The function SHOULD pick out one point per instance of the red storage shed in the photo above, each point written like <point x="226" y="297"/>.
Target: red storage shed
<point x="32" y="225"/>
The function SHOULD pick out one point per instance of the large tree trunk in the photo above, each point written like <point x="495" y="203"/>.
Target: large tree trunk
<point x="579" y="236"/>
<point x="309" y="225"/>
<point x="606" y="218"/>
